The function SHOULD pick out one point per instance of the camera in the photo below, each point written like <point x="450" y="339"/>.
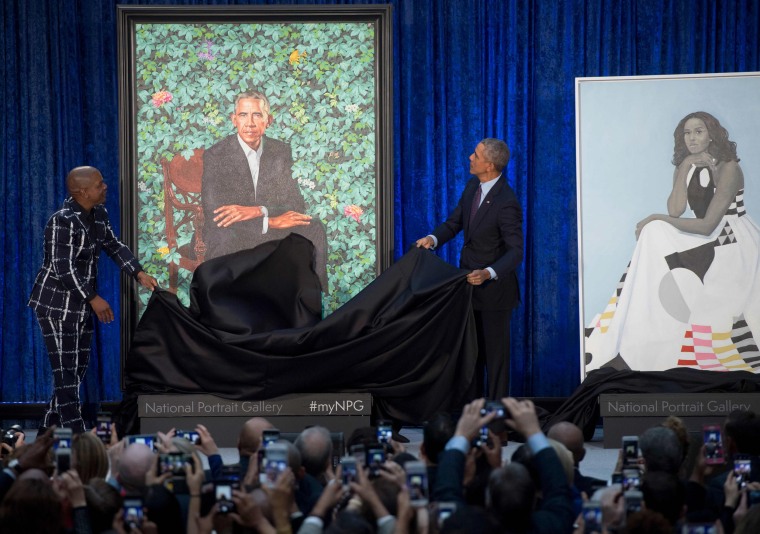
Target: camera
<point x="349" y="464"/>
<point x="275" y="462"/>
<point x="223" y="496"/>
<point x="592" y="517"/>
<point x="174" y="463"/>
<point x="630" y="451"/>
<point x="494" y="407"/>
<point x="9" y="436"/>
<point x="375" y="461"/>
<point x="190" y="435"/>
<point x="62" y="460"/>
<point x="713" y="444"/>
<point x="103" y="427"/>
<point x="133" y="513"/>
<point x="417" y="483"/>
<point x="384" y="432"/>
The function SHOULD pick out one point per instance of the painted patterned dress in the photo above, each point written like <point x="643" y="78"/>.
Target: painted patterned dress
<point x="686" y="300"/>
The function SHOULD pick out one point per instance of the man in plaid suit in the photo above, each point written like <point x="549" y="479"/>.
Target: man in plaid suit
<point x="65" y="290"/>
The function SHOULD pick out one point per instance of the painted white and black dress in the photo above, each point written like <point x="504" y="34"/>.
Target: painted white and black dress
<point x="686" y="300"/>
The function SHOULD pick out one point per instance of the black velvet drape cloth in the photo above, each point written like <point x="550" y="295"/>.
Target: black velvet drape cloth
<point x="582" y="407"/>
<point x="253" y="331"/>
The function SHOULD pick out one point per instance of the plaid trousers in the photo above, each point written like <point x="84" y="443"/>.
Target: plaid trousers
<point x="68" y="347"/>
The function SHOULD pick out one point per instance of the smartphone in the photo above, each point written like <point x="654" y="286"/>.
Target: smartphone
<point x="146" y="439"/>
<point x="616" y="478"/>
<point x="753" y="498"/>
<point x="592" y="517"/>
<point x="742" y="470"/>
<point x="630" y="451"/>
<point x="62" y="460"/>
<point x="384" y="432"/>
<point x="417" y="483"/>
<point x="269" y="436"/>
<point x="699" y="528"/>
<point x="223" y="496"/>
<point x="482" y="438"/>
<point x="103" y="427"/>
<point x="349" y="464"/>
<point x="631" y="479"/>
<point x="443" y="511"/>
<point x="174" y="463"/>
<point x="275" y="462"/>
<point x="190" y="435"/>
<point x="375" y="460"/>
<point x="62" y="438"/>
<point x="713" y="444"/>
<point x="633" y="500"/>
<point x="133" y="513"/>
<point x="358" y="451"/>
<point x="494" y="407"/>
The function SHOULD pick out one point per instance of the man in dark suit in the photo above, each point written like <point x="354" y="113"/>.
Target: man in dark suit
<point x="248" y="192"/>
<point x="490" y="216"/>
<point x="65" y="290"/>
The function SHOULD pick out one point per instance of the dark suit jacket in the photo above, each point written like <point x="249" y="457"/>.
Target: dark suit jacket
<point x="227" y="180"/>
<point x="67" y="279"/>
<point x="494" y="240"/>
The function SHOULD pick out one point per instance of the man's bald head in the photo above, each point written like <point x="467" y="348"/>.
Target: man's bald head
<point x="571" y="437"/>
<point x="249" y="440"/>
<point x="134" y="464"/>
<point x="81" y="178"/>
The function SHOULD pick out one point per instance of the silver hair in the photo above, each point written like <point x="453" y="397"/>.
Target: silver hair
<point x="256" y="95"/>
<point x="496" y="151"/>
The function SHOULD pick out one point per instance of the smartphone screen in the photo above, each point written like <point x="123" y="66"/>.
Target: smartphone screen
<point x="146" y="439"/>
<point x="275" y="462"/>
<point x="630" y="450"/>
<point x="133" y="513"/>
<point x="592" y="517"/>
<point x="443" y="511"/>
<point x="349" y="469"/>
<point x="633" y="501"/>
<point x="62" y="438"/>
<point x="494" y="407"/>
<point x="482" y="436"/>
<point x="174" y="463"/>
<point x="223" y="497"/>
<point x="190" y="435"/>
<point x="103" y="428"/>
<point x="713" y="444"/>
<point x="631" y="479"/>
<point x="742" y="470"/>
<point x="270" y="436"/>
<point x="375" y="460"/>
<point x="417" y="483"/>
<point x="384" y="432"/>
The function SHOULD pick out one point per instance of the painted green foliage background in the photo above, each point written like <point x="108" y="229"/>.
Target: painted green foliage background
<point x="320" y="80"/>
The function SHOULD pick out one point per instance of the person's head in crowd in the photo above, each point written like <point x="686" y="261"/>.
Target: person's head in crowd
<point x="663" y="492"/>
<point x="134" y="464"/>
<point x="349" y="522"/>
<point x="750" y="523"/>
<point x="103" y="502"/>
<point x="476" y="485"/>
<point x="294" y="458"/>
<point x="387" y="491"/>
<point x="249" y="440"/>
<point x="89" y="457"/>
<point x="436" y="432"/>
<point x="661" y="450"/>
<point x="523" y="456"/>
<point x="315" y="446"/>
<point x="164" y="510"/>
<point x="468" y="520"/>
<point x="571" y="437"/>
<point x="34" y="474"/>
<point x="512" y="496"/>
<point x="740" y="433"/>
<point x="403" y="457"/>
<point x="647" y="522"/>
<point x="677" y="425"/>
<point x="365" y="435"/>
<point x="31" y="506"/>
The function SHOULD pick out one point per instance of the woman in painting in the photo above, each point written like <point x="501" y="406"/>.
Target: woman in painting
<point x="691" y="294"/>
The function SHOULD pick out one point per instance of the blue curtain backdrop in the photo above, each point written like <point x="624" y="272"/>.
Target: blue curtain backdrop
<point x="463" y="70"/>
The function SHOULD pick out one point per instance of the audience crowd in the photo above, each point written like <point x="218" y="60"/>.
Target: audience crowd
<point x="664" y="482"/>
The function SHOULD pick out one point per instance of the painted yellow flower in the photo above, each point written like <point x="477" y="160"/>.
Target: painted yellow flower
<point x="295" y="57"/>
<point x="164" y="251"/>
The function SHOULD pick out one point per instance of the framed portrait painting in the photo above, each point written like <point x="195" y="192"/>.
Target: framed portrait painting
<point x="311" y="86"/>
<point x="668" y="195"/>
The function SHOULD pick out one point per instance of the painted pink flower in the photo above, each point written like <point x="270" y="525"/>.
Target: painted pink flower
<point x="353" y="211"/>
<point x="160" y="98"/>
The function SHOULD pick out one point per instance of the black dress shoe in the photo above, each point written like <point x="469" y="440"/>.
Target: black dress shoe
<point x="398" y="438"/>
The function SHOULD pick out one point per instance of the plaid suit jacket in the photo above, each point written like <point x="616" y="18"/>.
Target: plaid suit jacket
<point x="67" y="279"/>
